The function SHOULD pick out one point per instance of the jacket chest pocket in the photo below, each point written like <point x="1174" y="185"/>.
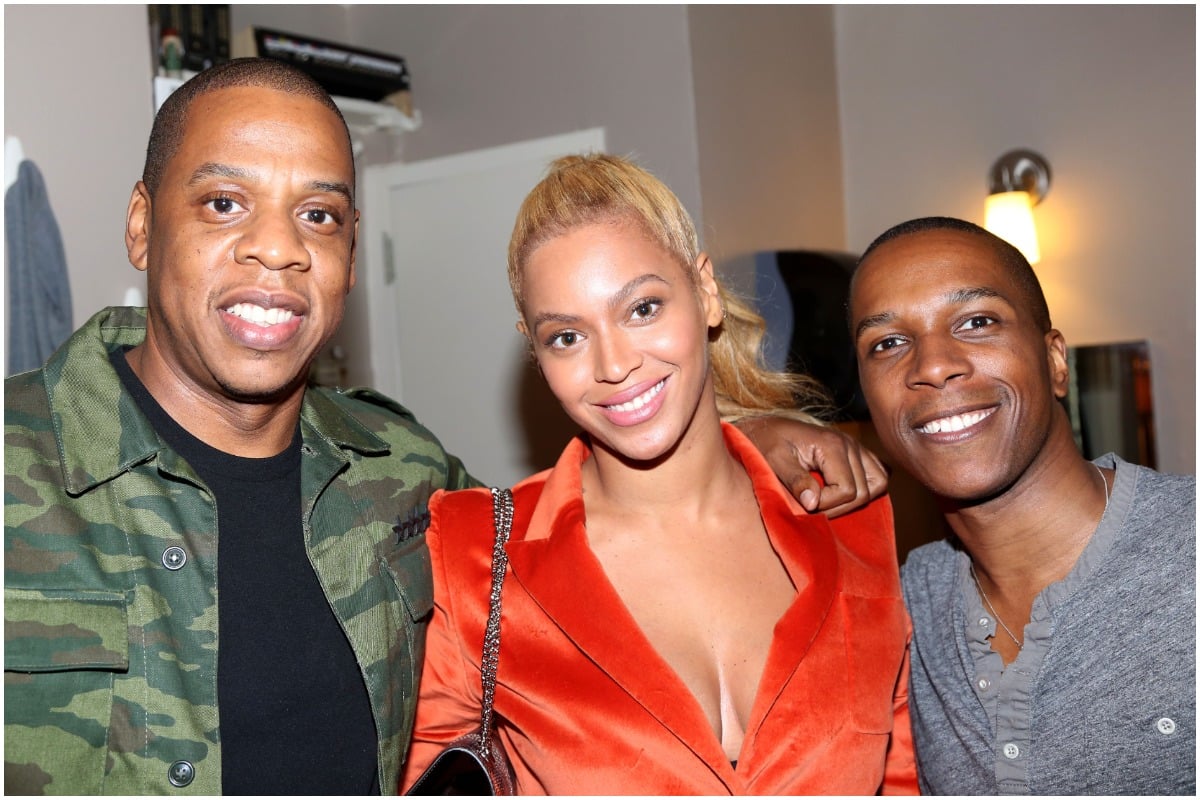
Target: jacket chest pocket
<point x="62" y="652"/>
<point x="411" y="570"/>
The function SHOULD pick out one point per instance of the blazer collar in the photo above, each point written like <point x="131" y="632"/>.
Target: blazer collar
<point x="100" y="431"/>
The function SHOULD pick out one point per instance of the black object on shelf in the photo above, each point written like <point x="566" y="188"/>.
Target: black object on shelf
<point x="342" y="70"/>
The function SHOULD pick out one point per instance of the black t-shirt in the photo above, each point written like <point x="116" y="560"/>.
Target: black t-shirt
<point x="295" y="715"/>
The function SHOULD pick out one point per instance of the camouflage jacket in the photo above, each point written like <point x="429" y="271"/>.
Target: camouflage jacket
<point x="110" y="557"/>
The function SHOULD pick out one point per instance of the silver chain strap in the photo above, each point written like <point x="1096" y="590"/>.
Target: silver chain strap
<point x="502" y="513"/>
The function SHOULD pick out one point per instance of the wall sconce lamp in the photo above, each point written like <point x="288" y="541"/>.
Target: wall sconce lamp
<point x="1018" y="181"/>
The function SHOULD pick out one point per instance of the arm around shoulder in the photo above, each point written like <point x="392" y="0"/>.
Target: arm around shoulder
<point x="850" y="474"/>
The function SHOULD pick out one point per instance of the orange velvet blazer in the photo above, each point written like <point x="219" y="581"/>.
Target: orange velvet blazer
<point x="585" y="705"/>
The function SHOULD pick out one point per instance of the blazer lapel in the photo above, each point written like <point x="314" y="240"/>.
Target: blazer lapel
<point x="797" y="629"/>
<point x="555" y="565"/>
<point x="805" y="544"/>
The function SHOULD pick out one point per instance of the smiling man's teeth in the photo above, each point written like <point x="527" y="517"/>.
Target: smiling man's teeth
<point x="259" y="315"/>
<point x="956" y="423"/>
<point x="640" y="400"/>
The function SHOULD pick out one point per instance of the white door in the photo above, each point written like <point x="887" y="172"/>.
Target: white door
<point x="441" y="315"/>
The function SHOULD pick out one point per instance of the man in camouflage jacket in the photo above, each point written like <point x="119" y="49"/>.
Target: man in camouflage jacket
<point x="115" y="619"/>
<point x="111" y="650"/>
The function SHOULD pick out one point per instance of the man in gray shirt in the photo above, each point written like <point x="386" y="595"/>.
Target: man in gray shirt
<point x="1054" y="643"/>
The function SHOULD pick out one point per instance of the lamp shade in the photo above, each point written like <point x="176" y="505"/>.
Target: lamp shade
<point x="1009" y="215"/>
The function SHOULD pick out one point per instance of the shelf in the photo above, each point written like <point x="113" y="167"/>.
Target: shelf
<point x="365" y="116"/>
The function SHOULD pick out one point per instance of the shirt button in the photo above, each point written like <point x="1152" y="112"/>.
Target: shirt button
<point x="983" y="622"/>
<point x="174" y="558"/>
<point x="984" y="683"/>
<point x="181" y="773"/>
<point x="1011" y="750"/>
<point x="1166" y="725"/>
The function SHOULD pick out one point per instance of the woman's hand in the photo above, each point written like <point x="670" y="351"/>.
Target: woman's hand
<point x="852" y="474"/>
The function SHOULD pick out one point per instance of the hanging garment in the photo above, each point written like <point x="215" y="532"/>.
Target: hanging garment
<point x="39" y="291"/>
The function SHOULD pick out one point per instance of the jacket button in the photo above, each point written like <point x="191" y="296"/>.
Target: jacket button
<point x="174" y="558"/>
<point x="181" y="773"/>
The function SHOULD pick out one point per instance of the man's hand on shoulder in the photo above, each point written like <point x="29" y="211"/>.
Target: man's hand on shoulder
<point x="853" y="475"/>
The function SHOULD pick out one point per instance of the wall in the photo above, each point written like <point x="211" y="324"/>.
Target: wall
<point x="83" y="116"/>
<point x="321" y="21"/>
<point x="494" y="74"/>
<point x="769" y="138"/>
<point x="931" y="95"/>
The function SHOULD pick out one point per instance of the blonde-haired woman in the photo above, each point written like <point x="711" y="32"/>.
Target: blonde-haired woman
<point x="674" y="622"/>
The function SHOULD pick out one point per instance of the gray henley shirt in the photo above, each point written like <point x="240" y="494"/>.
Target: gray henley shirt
<point x="1102" y="697"/>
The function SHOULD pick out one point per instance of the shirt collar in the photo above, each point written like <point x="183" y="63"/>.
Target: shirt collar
<point x="99" y="430"/>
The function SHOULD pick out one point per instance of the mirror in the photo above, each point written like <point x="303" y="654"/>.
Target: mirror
<point x="1110" y="403"/>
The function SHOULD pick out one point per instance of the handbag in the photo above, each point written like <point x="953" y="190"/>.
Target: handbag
<point x="475" y="763"/>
